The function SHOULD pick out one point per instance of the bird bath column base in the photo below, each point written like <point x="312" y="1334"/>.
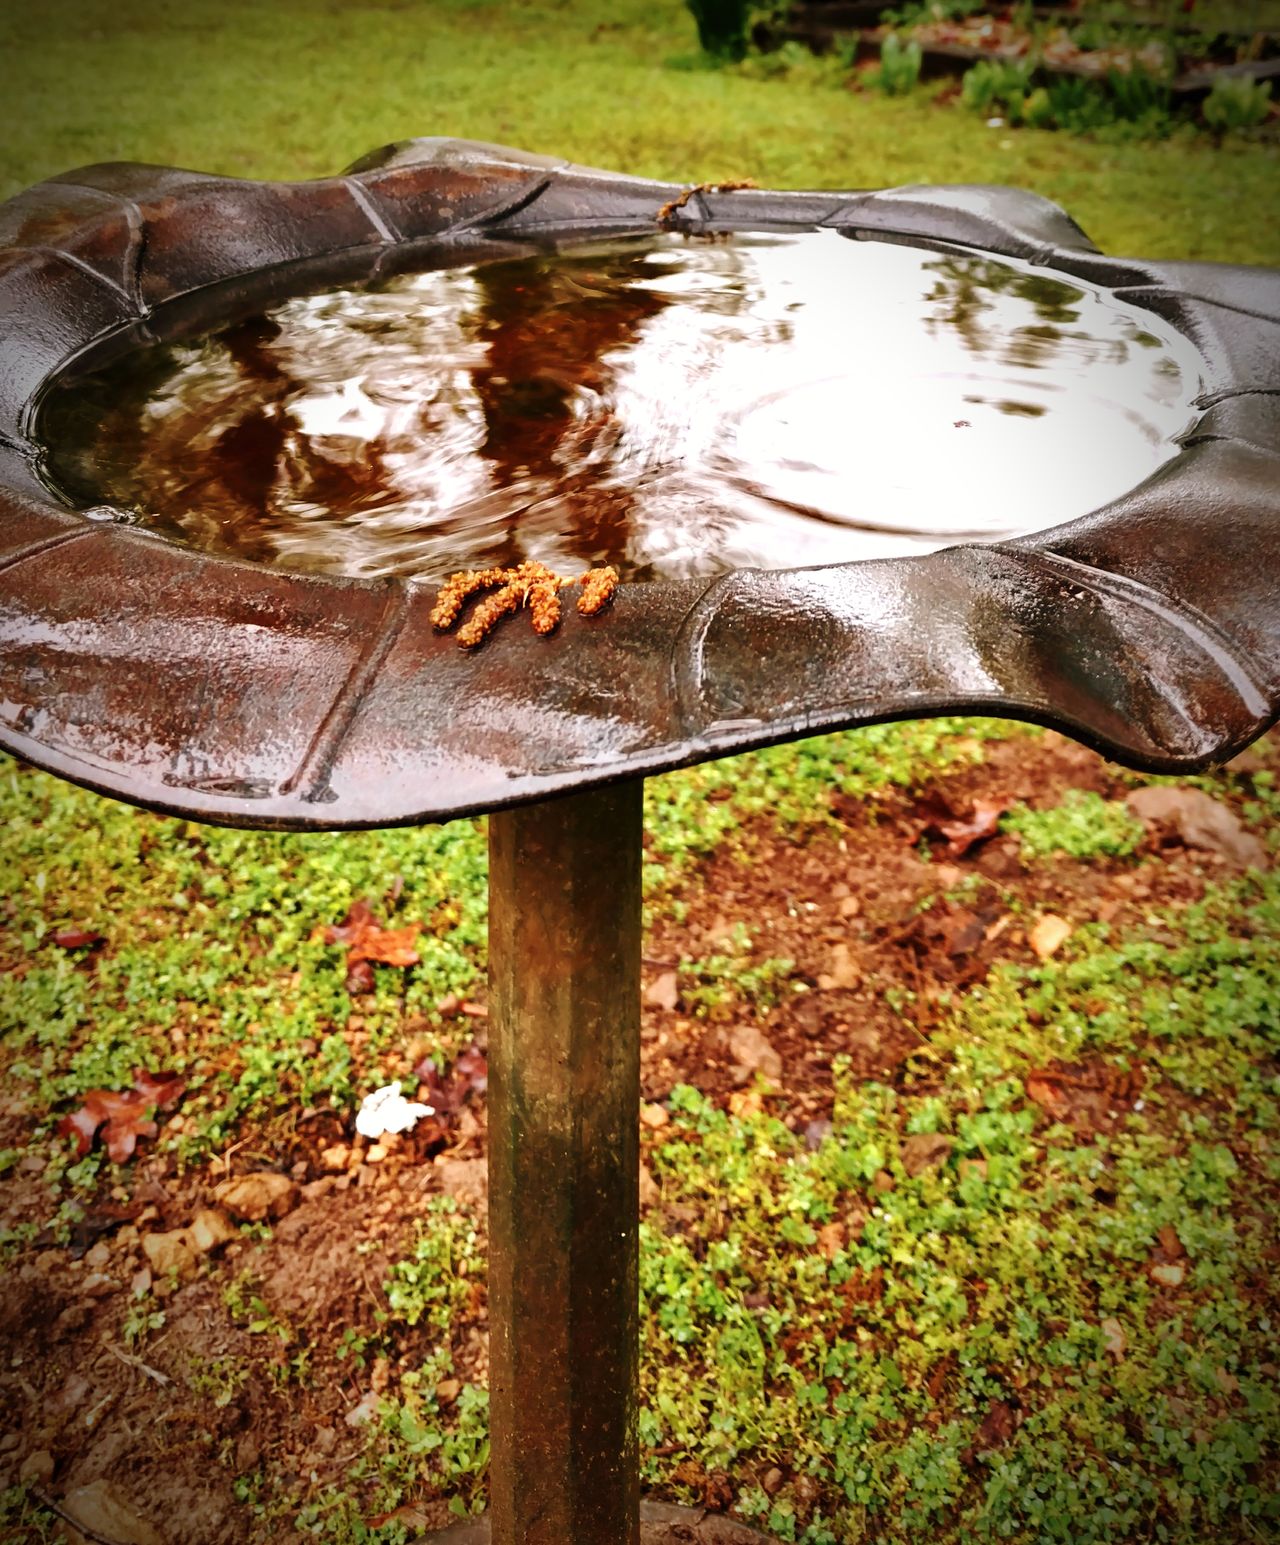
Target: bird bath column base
<point x="564" y="1185"/>
<point x="660" y="1524"/>
<point x="564" y="1169"/>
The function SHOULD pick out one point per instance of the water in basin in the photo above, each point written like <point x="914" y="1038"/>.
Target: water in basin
<point x="675" y="406"/>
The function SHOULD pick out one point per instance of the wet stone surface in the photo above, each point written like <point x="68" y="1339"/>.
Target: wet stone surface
<point x="673" y="406"/>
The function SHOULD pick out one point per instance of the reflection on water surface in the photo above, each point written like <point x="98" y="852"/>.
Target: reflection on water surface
<point x="674" y="406"/>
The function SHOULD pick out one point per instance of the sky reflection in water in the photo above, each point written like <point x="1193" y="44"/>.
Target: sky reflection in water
<point x="674" y="406"/>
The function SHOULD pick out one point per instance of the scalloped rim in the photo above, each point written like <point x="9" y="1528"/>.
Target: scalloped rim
<point x="1150" y="628"/>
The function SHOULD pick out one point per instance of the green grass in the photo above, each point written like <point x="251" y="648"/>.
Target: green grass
<point x="303" y="87"/>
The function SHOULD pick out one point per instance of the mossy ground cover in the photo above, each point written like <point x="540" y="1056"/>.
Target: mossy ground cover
<point x="988" y="1255"/>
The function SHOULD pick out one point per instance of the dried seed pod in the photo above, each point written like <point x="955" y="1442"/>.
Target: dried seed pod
<point x="456" y="591"/>
<point x="544" y="605"/>
<point x="530" y="584"/>
<point x="598" y="587"/>
<point x="488" y="613"/>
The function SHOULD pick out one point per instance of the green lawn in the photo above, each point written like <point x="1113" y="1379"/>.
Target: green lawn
<point x="302" y="87"/>
<point x="867" y="1350"/>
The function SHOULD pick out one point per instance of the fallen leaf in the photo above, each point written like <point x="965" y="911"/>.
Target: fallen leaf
<point x="925" y="1150"/>
<point x="959" y="833"/>
<point x="121" y="1115"/>
<point x="1045" y="1090"/>
<point x="78" y="938"/>
<point x="1169" y="1241"/>
<point x="1049" y="934"/>
<point x="1113" y="1336"/>
<point x="359" y="978"/>
<point x="1200" y="822"/>
<point x="654" y="1116"/>
<point x="831" y="1239"/>
<point x="466" y="1080"/>
<point x="996" y="1427"/>
<point x="367" y="940"/>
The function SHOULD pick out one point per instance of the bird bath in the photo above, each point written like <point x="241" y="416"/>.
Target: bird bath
<point x="227" y="502"/>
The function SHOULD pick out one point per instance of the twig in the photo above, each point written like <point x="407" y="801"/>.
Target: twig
<point x="136" y="1362"/>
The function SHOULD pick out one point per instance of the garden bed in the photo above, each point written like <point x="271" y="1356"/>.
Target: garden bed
<point x="1053" y="41"/>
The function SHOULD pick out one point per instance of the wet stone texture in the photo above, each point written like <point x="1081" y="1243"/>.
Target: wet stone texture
<point x="217" y="687"/>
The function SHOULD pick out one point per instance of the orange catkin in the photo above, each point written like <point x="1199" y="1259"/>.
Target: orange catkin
<point x="598" y="587"/>
<point x="529" y="584"/>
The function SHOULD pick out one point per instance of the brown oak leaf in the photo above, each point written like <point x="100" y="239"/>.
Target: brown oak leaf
<point x="367" y="940"/>
<point x="121" y="1115"/>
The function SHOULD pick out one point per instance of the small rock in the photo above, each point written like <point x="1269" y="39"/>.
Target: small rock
<point x="140" y="1282"/>
<point x="98" y="1285"/>
<point x="831" y="1239"/>
<point x="1200" y="821"/>
<point x="925" y="1150"/>
<point x="315" y="1189"/>
<point x="73" y="1318"/>
<point x="841" y="971"/>
<point x="334" y="1160"/>
<point x="448" y="1390"/>
<point x="772" y="1482"/>
<point x="650" y="1194"/>
<point x="257" y="1197"/>
<point x="106" y="1513"/>
<point x="663" y="992"/>
<point x="752" y="1053"/>
<point x="1169" y="1274"/>
<point x="364" y="1411"/>
<point x="883" y="1180"/>
<point x="654" y="1116"/>
<point x="850" y="906"/>
<point x="98" y="1255"/>
<point x="37" y="1468"/>
<point x="209" y="1230"/>
<point x="1049" y="934"/>
<point x="375" y="1154"/>
<point x="467" y="1179"/>
<point x="168" y="1253"/>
